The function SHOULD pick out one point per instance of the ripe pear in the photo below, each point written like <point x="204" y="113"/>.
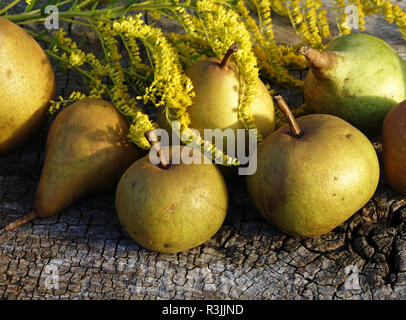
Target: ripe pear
<point x="358" y="78"/>
<point x="86" y="152"/>
<point x="173" y="208"/>
<point x="27" y="84"/>
<point x="394" y="147"/>
<point x="314" y="174"/>
<point x="216" y="85"/>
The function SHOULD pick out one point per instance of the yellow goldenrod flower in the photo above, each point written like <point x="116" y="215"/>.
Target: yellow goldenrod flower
<point x="216" y="20"/>
<point x="77" y="58"/>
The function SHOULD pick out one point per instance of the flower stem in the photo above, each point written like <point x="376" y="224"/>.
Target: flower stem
<point x="116" y="11"/>
<point x="9" y="6"/>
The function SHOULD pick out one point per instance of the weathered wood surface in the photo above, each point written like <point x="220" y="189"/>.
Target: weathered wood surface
<point x="364" y="258"/>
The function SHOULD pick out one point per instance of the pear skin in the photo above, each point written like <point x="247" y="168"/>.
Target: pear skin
<point x="87" y="151"/>
<point x="394" y="148"/>
<point x="359" y="78"/>
<point x="309" y="184"/>
<point x="174" y="209"/>
<point x="27" y="84"/>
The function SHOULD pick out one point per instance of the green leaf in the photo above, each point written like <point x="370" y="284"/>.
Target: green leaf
<point x="73" y="6"/>
<point x="46" y="4"/>
<point x="111" y="3"/>
<point x="94" y="6"/>
<point x="233" y="3"/>
<point x="129" y="3"/>
<point x="29" y="7"/>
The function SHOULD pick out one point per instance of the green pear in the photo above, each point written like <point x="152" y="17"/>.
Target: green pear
<point x="394" y="148"/>
<point x="216" y="85"/>
<point x="314" y="174"/>
<point x="27" y="84"/>
<point x="174" y="207"/>
<point x="86" y="152"/>
<point x="358" y="78"/>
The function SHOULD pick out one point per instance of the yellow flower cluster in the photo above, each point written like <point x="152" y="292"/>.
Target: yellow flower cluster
<point x="155" y="14"/>
<point x="118" y="92"/>
<point x="188" y="21"/>
<point x="210" y="26"/>
<point x="361" y="14"/>
<point x="298" y="20"/>
<point x="281" y="119"/>
<point x="342" y="17"/>
<point x="309" y="20"/>
<point x="312" y="19"/>
<point x="189" y="47"/>
<point x="223" y="28"/>
<point x="77" y="58"/>
<point x="278" y="7"/>
<point x="170" y="88"/>
<point x="323" y="23"/>
<point x="56" y="105"/>
<point x="368" y="8"/>
<point x="308" y="17"/>
<point x="265" y="48"/>
<point x="291" y="59"/>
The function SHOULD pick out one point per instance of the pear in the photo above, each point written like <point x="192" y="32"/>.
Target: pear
<point x="394" y="148"/>
<point x="216" y="85"/>
<point x="358" y="78"/>
<point x="27" y="84"/>
<point x="86" y="152"/>
<point x="173" y="207"/>
<point x="313" y="174"/>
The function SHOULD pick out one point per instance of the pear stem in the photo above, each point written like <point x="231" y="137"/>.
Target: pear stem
<point x="294" y="127"/>
<point x="153" y="140"/>
<point x="317" y="60"/>
<point x="233" y="49"/>
<point x="19" y="222"/>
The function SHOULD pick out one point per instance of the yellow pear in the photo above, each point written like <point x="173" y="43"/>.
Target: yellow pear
<point x="87" y="151"/>
<point x="313" y="174"/>
<point x="216" y="85"/>
<point x="174" y="207"/>
<point x="27" y="84"/>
